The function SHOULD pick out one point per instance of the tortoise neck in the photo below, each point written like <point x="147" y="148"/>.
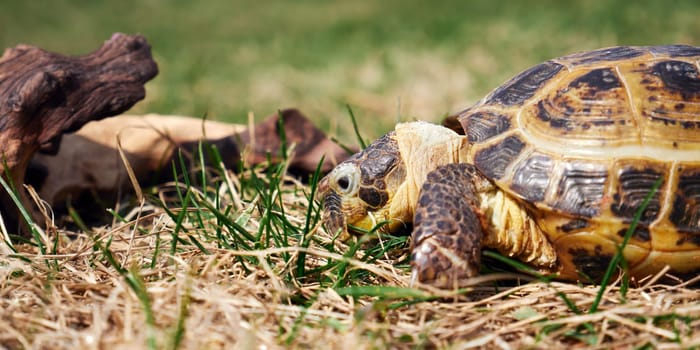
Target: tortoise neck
<point x="424" y="147"/>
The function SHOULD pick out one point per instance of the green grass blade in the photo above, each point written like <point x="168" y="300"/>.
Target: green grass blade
<point x="189" y="186"/>
<point x="518" y="265"/>
<point x="77" y="220"/>
<point x="343" y="146"/>
<point x="388" y="292"/>
<point x="179" y="220"/>
<point x="304" y="241"/>
<point x="21" y="257"/>
<point x="614" y="262"/>
<point x="179" y="332"/>
<point x="244" y="238"/>
<point x="138" y="286"/>
<point x="11" y="191"/>
<point x="110" y="257"/>
<point x="156" y="251"/>
<point x="199" y="245"/>
<point x="362" y="142"/>
<point x="569" y="303"/>
<point x="221" y="167"/>
<point x="202" y="164"/>
<point x="134" y="281"/>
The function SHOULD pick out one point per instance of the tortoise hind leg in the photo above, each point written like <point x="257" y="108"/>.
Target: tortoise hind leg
<point x="446" y="244"/>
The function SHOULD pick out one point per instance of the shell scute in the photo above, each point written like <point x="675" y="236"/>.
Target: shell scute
<point x="685" y="213"/>
<point x="667" y="100"/>
<point x="581" y="188"/>
<point x="482" y="126"/>
<point x="676" y="50"/>
<point x="634" y="180"/>
<point x="525" y="85"/>
<point x="588" y="105"/>
<point x="492" y="161"/>
<point x="531" y="178"/>
<point x="610" y="54"/>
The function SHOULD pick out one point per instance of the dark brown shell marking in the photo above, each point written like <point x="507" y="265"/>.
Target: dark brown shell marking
<point x="597" y="80"/>
<point x="675" y="50"/>
<point x="633" y="184"/>
<point x="591" y="266"/>
<point x="610" y="54"/>
<point x="525" y="85"/>
<point x="679" y="77"/>
<point x="493" y="160"/>
<point x="592" y="102"/>
<point x="641" y="233"/>
<point x="670" y="104"/>
<point x="482" y="126"/>
<point x="685" y="214"/>
<point x="574" y="225"/>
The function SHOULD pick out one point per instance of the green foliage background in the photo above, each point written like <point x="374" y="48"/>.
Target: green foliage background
<point x="391" y="60"/>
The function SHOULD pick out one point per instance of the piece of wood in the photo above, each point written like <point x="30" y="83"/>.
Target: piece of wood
<point x="89" y="164"/>
<point x="44" y="95"/>
<point x="88" y="169"/>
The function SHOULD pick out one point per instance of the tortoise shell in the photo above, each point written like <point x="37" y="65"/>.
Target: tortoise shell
<point x="581" y="140"/>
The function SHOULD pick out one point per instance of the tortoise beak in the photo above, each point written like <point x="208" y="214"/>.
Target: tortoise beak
<point x="333" y="217"/>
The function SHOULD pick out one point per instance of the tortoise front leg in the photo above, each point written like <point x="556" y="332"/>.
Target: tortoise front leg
<point x="446" y="245"/>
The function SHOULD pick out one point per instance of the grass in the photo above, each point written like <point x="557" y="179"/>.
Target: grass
<point x="388" y="59"/>
<point x="220" y="260"/>
<point x="223" y="260"/>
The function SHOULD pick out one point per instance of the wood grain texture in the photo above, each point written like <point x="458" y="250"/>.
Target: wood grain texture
<point x="44" y="95"/>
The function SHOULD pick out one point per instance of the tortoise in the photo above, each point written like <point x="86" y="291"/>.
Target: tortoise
<point x="549" y="168"/>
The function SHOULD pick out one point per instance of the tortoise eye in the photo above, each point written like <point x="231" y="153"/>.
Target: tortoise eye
<point x="347" y="179"/>
<point x="344" y="183"/>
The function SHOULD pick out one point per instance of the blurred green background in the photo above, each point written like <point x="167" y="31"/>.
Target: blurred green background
<point x="390" y="60"/>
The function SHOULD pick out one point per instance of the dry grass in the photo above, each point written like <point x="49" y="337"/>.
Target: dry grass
<point x="224" y="58"/>
<point x="205" y="296"/>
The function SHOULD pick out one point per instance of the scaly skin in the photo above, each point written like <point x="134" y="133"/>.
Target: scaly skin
<point x="455" y="217"/>
<point x="446" y="245"/>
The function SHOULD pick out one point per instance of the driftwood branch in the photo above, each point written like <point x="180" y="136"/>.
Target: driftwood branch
<point x="88" y="171"/>
<point x="44" y="95"/>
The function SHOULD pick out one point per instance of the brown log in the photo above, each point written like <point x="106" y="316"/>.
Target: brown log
<point x="311" y="144"/>
<point x="89" y="170"/>
<point x="44" y="95"/>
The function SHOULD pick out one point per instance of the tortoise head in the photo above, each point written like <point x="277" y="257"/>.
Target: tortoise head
<point x="381" y="183"/>
<point x="360" y="191"/>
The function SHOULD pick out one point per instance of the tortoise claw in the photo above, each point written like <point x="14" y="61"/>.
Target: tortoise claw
<point x="439" y="262"/>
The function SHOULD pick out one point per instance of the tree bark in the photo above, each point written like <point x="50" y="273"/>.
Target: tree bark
<point x="44" y="95"/>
